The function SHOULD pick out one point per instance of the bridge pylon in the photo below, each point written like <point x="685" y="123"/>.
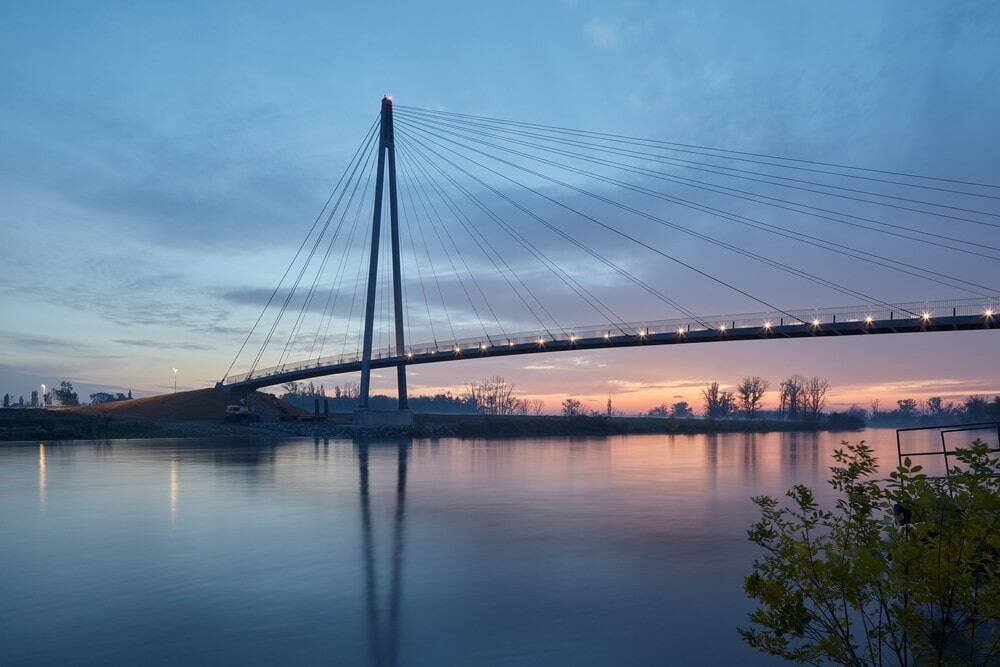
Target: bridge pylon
<point x="386" y="153"/>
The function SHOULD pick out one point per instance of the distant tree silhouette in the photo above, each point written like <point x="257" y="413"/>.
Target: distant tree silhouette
<point x="661" y="410"/>
<point x="532" y="406"/>
<point x="494" y="396"/>
<point x="718" y="403"/>
<point x="792" y="395"/>
<point x="976" y="407"/>
<point x="814" y="397"/>
<point x="681" y="410"/>
<point x="6" y="400"/>
<point x="571" y="407"/>
<point x="751" y="394"/>
<point x="907" y="407"/>
<point x="65" y="393"/>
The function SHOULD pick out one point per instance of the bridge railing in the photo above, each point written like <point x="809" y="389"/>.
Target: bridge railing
<point x="988" y="306"/>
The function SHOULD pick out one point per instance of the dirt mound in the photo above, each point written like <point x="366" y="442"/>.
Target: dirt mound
<point x="200" y="404"/>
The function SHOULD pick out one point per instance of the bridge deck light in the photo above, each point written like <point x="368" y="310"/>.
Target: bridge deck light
<point x="925" y="316"/>
<point x="680" y="331"/>
<point x="409" y="354"/>
<point x="815" y="321"/>
<point x="482" y="346"/>
<point x="457" y="349"/>
<point x="988" y="313"/>
<point x="869" y="319"/>
<point x="607" y="336"/>
<point x="722" y="327"/>
<point x="541" y="341"/>
<point x="572" y="338"/>
<point x="767" y="325"/>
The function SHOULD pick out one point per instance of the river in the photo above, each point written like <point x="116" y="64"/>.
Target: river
<point x="583" y="551"/>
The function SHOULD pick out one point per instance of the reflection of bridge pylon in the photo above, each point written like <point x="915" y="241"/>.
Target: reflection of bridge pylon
<point x="388" y="653"/>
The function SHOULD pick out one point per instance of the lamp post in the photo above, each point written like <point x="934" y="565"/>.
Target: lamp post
<point x="175" y="379"/>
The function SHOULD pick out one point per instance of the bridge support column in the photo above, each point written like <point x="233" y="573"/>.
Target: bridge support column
<point x="386" y="148"/>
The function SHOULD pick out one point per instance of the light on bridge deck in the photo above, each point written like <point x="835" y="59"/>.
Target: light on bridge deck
<point x="767" y="326"/>
<point x="988" y="313"/>
<point x="680" y="331"/>
<point x="869" y="319"/>
<point x="925" y="316"/>
<point x="816" y="322"/>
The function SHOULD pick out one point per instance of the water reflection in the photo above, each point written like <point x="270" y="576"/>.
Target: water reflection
<point x="41" y="476"/>
<point x="621" y="550"/>
<point x="368" y="548"/>
<point x="174" y="491"/>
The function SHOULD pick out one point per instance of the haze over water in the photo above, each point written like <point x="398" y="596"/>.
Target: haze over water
<point x="535" y="551"/>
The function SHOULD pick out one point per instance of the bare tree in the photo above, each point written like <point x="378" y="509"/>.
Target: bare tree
<point x="533" y="406"/>
<point x="493" y="396"/>
<point x="792" y="395"/>
<point x="572" y="407"/>
<point x="751" y="394"/>
<point x="814" y="396"/>
<point x="718" y="403"/>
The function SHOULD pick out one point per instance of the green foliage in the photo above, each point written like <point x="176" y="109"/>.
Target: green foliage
<point x="902" y="571"/>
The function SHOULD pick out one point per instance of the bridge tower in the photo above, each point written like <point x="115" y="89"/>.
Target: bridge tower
<point x="386" y="151"/>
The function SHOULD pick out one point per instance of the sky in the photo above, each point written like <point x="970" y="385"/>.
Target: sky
<point x="161" y="163"/>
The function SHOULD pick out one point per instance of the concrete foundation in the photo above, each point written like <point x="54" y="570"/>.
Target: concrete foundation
<point x="366" y="417"/>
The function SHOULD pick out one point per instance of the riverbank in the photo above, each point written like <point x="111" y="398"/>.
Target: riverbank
<point x="29" y="424"/>
<point x="76" y="425"/>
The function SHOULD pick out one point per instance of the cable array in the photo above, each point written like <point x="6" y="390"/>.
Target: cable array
<point x="506" y="226"/>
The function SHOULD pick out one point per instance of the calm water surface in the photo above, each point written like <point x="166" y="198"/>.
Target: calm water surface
<point x="623" y="550"/>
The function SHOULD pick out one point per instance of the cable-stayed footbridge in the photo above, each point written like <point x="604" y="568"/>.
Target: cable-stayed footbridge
<point x="493" y="237"/>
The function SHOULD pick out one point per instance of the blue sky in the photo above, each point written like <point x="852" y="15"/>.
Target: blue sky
<point x="160" y="163"/>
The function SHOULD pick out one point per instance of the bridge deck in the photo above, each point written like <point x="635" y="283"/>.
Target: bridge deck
<point x="962" y="315"/>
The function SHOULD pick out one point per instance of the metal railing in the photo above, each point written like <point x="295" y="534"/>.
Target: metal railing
<point x="988" y="307"/>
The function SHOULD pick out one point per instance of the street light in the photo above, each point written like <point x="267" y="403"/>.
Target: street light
<point x="175" y="379"/>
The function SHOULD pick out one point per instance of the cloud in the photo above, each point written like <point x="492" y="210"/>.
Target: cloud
<point x="147" y="342"/>
<point x="633" y="386"/>
<point x="40" y="342"/>
<point x="602" y="34"/>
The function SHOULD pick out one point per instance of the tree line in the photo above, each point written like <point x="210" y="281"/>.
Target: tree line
<point x="798" y="398"/>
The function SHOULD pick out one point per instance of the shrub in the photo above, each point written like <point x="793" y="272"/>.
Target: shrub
<point x="901" y="571"/>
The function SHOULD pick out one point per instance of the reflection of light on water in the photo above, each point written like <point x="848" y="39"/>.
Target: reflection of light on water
<point x="41" y="475"/>
<point x="173" y="492"/>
